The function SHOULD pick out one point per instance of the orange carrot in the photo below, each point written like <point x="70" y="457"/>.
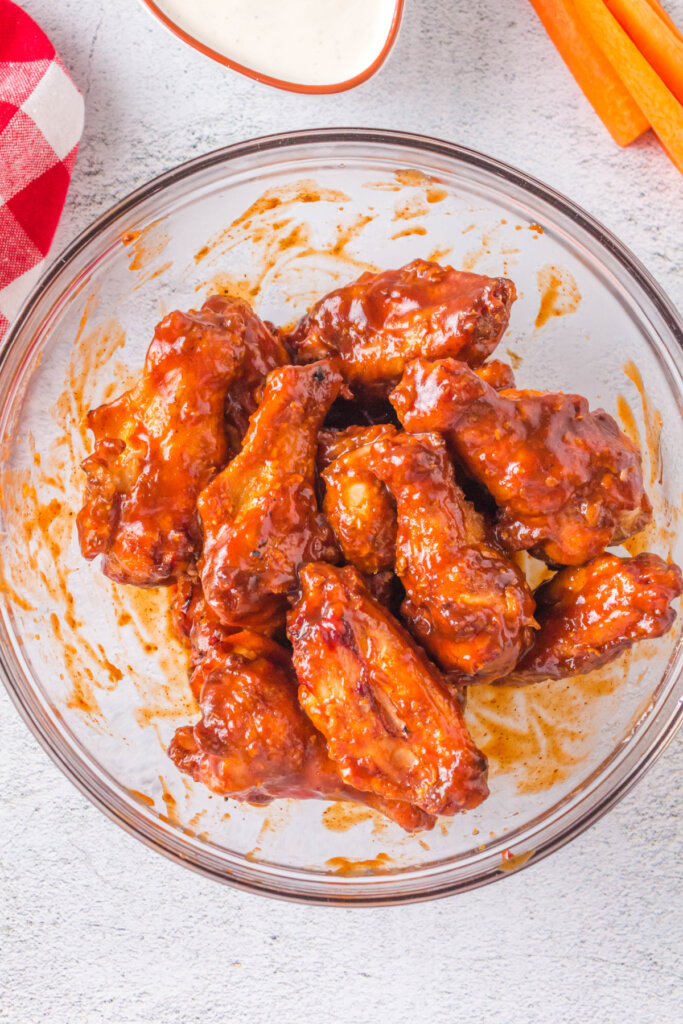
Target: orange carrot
<point x="659" y="46"/>
<point x="658" y="103"/>
<point x="594" y="74"/>
<point x="658" y="9"/>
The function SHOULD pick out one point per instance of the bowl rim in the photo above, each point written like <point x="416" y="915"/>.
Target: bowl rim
<point x="669" y="716"/>
<point x="282" y="83"/>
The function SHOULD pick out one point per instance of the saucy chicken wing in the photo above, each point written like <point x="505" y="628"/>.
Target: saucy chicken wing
<point x="467" y="604"/>
<point x="253" y="741"/>
<point x="375" y="325"/>
<point x="161" y="442"/>
<point x="391" y="723"/>
<point x="358" y="506"/>
<point x="588" y="616"/>
<point x="567" y="481"/>
<point x="260" y="514"/>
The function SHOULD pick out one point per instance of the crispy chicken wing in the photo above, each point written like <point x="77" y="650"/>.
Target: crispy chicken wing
<point x="391" y="723"/>
<point x="161" y="442"/>
<point x="588" y="616"/>
<point x="467" y="604"/>
<point x="567" y="481"/>
<point x="260" y="514"/>
<point x="379" y="322"/>
<point x="254" y="743"/>
<point x="357" y="505"/>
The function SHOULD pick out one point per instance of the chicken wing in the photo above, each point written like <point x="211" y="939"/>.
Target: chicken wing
<point x="467" y="604"/>
<point x="161" y="442"/>
<point x="254" y="743"/>
<point x="260" y="514"/>
<point x="379" y="322"/>
<point x="567" y="481"/>
<point x="588" y="616"/>
<point x="358" y="506"/>
<point x="391" y="723"/>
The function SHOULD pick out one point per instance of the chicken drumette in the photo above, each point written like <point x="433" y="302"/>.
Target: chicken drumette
<point x="253" y="741"/>
<point x="567" y="481"/>
<point x="379" y="322"/>
<point x="161" y="442"/>
<point x="391" y="723"/>
<point x="466" y="603"/>
<point x="588" y="616"/>
<point x="260" y="514"/>
<point x="357" y="505"/>
<point x="360" y="508"/>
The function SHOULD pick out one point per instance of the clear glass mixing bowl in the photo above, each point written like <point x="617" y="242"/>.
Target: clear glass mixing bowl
<point x="93" y="667"/>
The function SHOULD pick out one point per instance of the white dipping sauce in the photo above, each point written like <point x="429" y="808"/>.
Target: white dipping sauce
<point x="308" y="42"/>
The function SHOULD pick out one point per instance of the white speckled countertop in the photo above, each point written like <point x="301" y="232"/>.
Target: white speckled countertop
<point x="96" y="928"/>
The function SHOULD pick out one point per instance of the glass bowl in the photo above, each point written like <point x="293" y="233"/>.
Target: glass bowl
<point x="94" y="669"/>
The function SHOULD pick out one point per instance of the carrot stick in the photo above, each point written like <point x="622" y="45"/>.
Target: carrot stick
<point x="659" y="105"/>
<point x="594" y="74"/>
<point x="658" y="9"/>
<point x="659" y="46"/>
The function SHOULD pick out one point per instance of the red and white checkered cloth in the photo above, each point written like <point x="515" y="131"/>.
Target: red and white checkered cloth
<point x="41" y="121"/>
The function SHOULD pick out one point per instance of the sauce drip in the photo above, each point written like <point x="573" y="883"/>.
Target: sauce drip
<point x="351" y="868"/>
<point x="559" y="293"/>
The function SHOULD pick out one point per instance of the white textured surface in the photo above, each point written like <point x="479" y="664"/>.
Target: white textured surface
<point x="94" y="927"/>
